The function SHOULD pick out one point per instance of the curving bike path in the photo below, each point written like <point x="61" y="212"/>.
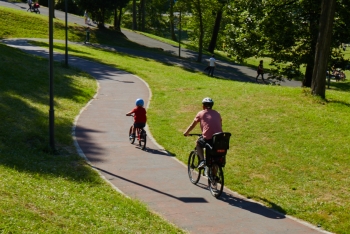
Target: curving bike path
<point x="153" y="176"/>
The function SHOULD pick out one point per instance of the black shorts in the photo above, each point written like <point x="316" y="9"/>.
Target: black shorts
<point x="202" y="142"/>
<point x="139" y="125"/>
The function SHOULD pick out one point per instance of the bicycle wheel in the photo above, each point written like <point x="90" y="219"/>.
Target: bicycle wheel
<point x="142" y="140"/>
<point x="131" y="139"/>
<point x="215" y="181"/>
<point x="193" y="172"/>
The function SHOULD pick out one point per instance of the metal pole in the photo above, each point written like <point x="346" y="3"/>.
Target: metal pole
<point x="66" y="55"/>
<point x="180" y="36"/>
<point x="51" y="111"/>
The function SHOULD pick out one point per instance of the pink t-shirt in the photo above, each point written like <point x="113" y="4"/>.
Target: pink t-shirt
<point x="210" y="122"/>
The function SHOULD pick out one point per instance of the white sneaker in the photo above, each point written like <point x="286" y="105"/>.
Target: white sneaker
<point x="201" y="164"/>
<point x="206" y="171"/>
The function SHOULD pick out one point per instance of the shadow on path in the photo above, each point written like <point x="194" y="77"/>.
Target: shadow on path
<point x="183" y="199"/>
<point x="247" y="205"/>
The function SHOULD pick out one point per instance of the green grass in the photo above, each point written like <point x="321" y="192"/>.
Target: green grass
<point x="54" y="192"/>
<point x="288" y="150"/>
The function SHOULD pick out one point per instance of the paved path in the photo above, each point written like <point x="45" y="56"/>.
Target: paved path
<point x="153" y="176"/>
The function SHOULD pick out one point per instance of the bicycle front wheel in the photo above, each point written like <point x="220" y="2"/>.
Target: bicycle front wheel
<point x="131" y="138"/>
<point x="192" y="167"/>
<point x="215" y="180"/>
<point x="142" y="140"/>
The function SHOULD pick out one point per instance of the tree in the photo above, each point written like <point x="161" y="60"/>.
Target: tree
<point x="172" y="24"/>
<point x="216" y="28"/>
<point x="215" y="33"/>
<point x="134" y="14"/>
<point x="100" y="11"/>
<point x="285" y="30"/>
<point x="323" y="48"/>
<point x="142" y="15"/>
<point x="200" y="9"/>
<point x="118" y="6"/>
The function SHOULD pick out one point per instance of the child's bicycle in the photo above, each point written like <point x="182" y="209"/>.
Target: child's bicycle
<point x="215" y="161"/>
<point x="140" y="134"/>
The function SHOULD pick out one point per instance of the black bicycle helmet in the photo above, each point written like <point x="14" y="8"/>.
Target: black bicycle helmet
<point x="208" y="102"/>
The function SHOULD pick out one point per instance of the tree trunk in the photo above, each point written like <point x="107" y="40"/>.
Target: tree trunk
<point x="134" y="13"/>
<point x="215" y="34"/>
<point x="139" y="11"/>
<point x="117" y="18"/>
<point x="318" y="86"/>
<point x="171" y="16"/>
<point x="314" y="31"/>
<point x="308" y="74"/>
<point x="143" y="15"/>
<point x="120" y="19"/>
<point x="201" y="31"/>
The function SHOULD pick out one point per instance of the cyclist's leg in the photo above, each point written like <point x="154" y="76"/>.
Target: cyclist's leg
<point x="139" y="127"/>
<point x="200" y="152"/>
<point x="199" y="147"/>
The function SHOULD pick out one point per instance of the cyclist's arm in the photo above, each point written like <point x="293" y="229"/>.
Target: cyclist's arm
<point x="129" y="113"/>
<point x="190" y="128"/>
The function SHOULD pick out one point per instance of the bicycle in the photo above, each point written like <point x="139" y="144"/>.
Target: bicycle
<point x="215" y="156"/>
<point x="140" y="134"/>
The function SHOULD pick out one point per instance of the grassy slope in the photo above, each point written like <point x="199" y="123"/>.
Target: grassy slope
<point x="288" y="150"/>
<point x="42" y="192"/>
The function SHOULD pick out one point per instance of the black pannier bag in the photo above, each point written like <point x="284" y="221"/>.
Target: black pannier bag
<point x="221" y="143"/>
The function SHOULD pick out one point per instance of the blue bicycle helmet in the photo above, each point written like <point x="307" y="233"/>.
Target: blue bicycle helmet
<point x="139" y="102"/>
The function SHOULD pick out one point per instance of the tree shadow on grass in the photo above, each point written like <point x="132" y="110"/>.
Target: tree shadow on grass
<point x="342" y="86"/>
<point x="224" y="71"/>
<point x="24" y="136"/>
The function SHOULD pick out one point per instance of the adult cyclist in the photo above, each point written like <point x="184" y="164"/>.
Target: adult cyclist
<point x="210" y="123"/>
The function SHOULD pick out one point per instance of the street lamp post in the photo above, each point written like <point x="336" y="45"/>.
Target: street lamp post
<point x="66" y="54"/>
<point x="51" y="111"/>
<point x="180" y="34"/>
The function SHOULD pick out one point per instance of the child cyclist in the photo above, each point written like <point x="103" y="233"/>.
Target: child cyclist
<point x="140" y="117"/>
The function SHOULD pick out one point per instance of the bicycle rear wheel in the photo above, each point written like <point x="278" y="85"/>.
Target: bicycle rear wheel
<point x="142" y="140"/>
<point x="215" y="180"/>
<point x="131" y="138"/>
<point x="192" y="167"/>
